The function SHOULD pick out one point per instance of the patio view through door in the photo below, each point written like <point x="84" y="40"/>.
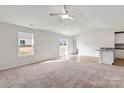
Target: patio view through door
<point x="63" y="47"/>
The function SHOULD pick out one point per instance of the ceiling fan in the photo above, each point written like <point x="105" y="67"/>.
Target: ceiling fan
<point x="65" y="14"/>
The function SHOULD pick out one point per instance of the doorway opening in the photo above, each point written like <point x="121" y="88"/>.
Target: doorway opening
<point x="75" y="46"/>
<point x="25" y="44"/>
<point x="63" y="47"/>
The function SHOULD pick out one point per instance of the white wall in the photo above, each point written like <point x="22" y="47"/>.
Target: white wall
<point x="46" y="46"/>
<point x="93" y="39"/>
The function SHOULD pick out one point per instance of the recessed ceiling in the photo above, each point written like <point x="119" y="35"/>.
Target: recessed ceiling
<point x="37" y="16"/>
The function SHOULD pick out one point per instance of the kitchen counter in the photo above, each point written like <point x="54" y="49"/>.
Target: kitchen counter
<point x="106" y="55"/>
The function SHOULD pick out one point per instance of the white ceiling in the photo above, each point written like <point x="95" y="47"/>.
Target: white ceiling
<point x="107" y="17"/>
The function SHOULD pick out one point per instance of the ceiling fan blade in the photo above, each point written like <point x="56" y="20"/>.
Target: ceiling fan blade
<point x="70" y="18"/>
<point x="77" y="12"/>
<point x="53" y="14"/>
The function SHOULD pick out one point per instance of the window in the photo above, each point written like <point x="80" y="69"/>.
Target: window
<point x="25" y="44"/>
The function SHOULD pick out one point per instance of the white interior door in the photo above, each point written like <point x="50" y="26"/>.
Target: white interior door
<point x="63" y="47"/>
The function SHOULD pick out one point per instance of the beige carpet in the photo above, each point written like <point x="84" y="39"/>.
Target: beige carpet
<point x="75" y="72"/>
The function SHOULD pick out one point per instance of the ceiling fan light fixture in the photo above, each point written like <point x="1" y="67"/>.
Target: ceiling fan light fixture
<point x="64" y="16"/>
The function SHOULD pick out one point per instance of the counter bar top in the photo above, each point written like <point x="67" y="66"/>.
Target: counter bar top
<point x="106" y="49"/>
